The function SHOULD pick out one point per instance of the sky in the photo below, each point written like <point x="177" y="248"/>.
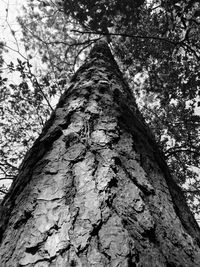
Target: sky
<point x="10" y="33"/>
<point x="9" y="28"/>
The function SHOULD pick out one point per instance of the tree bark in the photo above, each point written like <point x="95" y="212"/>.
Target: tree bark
<point x="94" y="190"/>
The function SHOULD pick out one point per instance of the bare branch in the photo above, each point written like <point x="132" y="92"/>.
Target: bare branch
<point x="175" y="151"/>
<point x="3" y="191"/>
<point x="180" y="43"/>
<point x="128" y="35"/>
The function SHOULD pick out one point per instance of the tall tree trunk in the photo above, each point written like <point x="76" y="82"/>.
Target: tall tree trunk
<point x="94" y="189"/>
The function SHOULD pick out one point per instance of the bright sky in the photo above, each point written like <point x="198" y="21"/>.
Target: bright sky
<point x="10" y="33"/>
<point x="10" y="30"/>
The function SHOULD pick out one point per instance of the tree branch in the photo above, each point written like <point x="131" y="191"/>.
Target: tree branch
<point x="170" y="151"/>
<point x="180" y="43"/>
<point x="2" y="191"/>
<point x="129" y="35"/>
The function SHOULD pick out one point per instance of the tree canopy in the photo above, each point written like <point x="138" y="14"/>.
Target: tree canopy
<point x="156" y="44"/>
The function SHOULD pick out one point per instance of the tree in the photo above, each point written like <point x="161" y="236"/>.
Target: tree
<point x="94" y="190"/>
<point x="156" y="40"/>
<point x="159" y="39"/>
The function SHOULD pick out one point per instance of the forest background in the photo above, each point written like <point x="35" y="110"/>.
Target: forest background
<point x="157" y="46"/>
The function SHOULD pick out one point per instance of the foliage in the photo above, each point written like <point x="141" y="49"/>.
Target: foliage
<point x="157" y="45"/>
<point x="100" y="15"/>
<point x="23" y="112"/>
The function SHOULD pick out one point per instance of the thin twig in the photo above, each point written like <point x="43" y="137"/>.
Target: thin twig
<point x="3" y="192"/>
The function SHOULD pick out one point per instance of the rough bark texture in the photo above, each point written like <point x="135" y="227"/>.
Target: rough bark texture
<point x="94" y="190"/>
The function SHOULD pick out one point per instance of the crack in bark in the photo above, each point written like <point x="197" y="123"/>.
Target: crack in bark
<point x="23" y="219"/>
<point x="33" y="250"/>
<point x="144" y="188"/>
